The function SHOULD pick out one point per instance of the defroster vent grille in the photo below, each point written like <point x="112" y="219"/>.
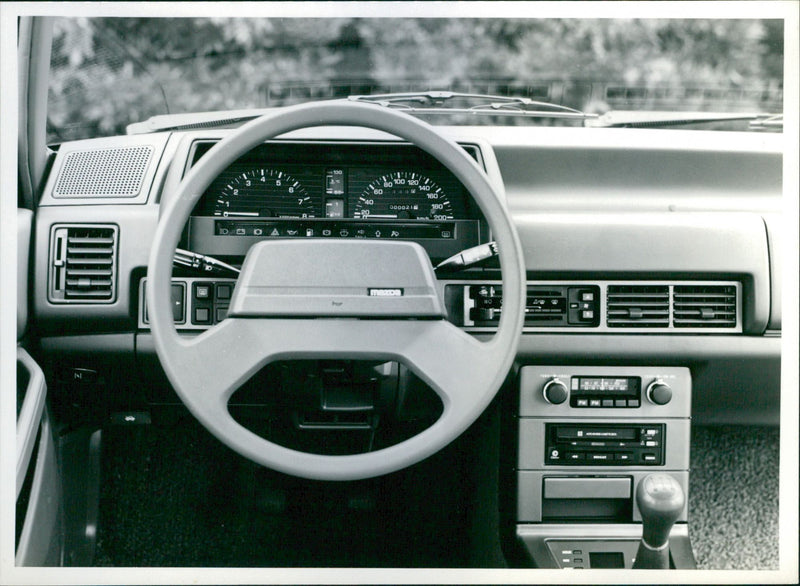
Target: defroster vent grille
<point x="117" y="172"/>
<point x="83" y="264"/>
<point x="638" y="306"/>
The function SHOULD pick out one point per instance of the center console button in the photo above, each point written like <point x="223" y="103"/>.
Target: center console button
<point x="202" y="290"/>
<point x="202" y="315"/>
<point x="224" y="291"/>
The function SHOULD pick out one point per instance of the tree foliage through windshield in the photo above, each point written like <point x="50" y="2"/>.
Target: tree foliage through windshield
<point x="172" y="65"/>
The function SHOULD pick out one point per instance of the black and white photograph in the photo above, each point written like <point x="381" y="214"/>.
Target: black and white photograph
<point x="399" y="292"/>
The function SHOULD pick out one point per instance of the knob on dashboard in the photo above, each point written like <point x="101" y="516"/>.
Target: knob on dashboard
<point x="659" y="392"/>
<point x="555" y="391"/>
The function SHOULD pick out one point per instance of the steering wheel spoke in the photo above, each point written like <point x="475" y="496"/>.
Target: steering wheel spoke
<point x="220" y="360"/>
<point x="456" y="365"/>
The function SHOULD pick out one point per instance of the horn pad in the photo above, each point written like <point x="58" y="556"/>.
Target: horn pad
<point x="336" y="278"/>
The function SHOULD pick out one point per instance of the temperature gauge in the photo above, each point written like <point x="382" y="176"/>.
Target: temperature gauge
<point x="334" y="182"/>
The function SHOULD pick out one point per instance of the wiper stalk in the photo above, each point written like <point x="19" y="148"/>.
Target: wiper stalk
<point x="202" y="262"/>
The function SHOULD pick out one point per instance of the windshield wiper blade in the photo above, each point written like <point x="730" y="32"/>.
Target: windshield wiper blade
<point x="194" y="120"/>
<point x="645" y="119"/>
<point x="767" y="123"/>
<point x="413" y="103"/>
<point x="442" y="102"/>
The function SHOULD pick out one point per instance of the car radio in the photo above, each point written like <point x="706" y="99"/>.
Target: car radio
<point x="588" y="437"/>
<point x="569" y="444"/>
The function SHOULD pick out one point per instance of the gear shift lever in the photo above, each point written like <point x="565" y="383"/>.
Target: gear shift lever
<point x="660" y="500"/>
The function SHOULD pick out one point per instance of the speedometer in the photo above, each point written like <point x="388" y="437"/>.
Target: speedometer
<point x="264" y="193"/>
<point x="403" y="195"/>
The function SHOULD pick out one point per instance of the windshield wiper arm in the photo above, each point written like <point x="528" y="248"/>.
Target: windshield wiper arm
<point x="644" y="119"/>
<point x="767" y="122"/>
<point x="442" y="102"/>
<point x="413" y="103"/>
<point x="194" y="121"/>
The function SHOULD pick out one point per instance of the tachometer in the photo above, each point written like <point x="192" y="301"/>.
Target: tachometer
<point x="403" y="195"/>
<point x="264" y="193"/>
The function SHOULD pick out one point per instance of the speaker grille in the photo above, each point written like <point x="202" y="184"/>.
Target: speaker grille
<point x="103" y="173"/>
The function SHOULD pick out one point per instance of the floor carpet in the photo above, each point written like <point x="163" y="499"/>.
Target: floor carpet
<point x="733" y="497"/>
<point x="174" y="496"/>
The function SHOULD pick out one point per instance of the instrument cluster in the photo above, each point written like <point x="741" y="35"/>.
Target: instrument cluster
<point x="285" y="189"/>
<point x="358" y="182"/>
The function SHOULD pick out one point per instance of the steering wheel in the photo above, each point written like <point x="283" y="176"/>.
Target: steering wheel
<point x="299" y="318"/>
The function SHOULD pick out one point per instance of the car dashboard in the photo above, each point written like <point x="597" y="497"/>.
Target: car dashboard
<point x="653" y="288"/>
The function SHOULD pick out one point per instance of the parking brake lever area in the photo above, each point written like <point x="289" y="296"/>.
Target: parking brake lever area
<point x="660" y="499"/>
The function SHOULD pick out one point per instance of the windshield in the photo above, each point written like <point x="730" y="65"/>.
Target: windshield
<point x="111" y="72"/>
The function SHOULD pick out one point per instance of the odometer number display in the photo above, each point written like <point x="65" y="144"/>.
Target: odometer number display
<point x="403" y="195"/>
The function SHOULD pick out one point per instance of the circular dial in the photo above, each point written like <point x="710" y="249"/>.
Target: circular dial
<point x="403" y="195"/>
<point x="659" y="392"/>
<point x="555" y="392"/>
<point x="264" y="193"/>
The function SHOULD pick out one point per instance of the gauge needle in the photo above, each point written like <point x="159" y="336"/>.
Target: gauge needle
<point x="382" y="216"/>
<point x="255" y="214"/>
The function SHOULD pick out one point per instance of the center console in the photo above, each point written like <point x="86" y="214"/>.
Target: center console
<point x="588" y="436"/>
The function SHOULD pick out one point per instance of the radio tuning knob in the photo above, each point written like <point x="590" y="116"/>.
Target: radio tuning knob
<point x="659" y="392"/>
<point x="555" y="392"/>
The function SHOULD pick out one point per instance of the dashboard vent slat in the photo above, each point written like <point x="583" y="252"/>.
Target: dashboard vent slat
<point x="704" y="306"/>
<point x="83" y="264"/>
<point x="637" y="306"/>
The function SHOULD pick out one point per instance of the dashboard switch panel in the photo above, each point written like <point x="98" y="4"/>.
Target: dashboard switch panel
<point x="546" y="305"/>
<point x="616" y="307"/>
<point x="197" y="303"/>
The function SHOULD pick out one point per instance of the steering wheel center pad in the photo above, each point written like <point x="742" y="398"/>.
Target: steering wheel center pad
<point x="206" y="370"/>
<point x="336" y="278"/>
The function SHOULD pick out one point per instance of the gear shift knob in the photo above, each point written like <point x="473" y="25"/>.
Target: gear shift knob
<point x="660" y="499"/>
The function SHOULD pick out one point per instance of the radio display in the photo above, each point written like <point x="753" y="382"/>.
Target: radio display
<point x="605" y="385"/>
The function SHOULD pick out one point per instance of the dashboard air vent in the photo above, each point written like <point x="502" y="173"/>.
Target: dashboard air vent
<point x="83" y="264"/>
<point x="638" y="306"/>
<point x="704" y="306"/>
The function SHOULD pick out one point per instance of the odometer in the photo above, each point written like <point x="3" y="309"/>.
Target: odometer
<point x="403" y="195"/>
<point x="264" y="193"/>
